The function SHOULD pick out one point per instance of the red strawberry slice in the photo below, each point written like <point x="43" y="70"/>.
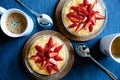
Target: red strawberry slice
<point x="47" y="61"/>
<point x="47" y="54"/>
<point x="80" y="17"/>
<point x="40" y="54"/>
<point x="87" y="25"/>
<point x="55" y="67"/>
<point x="99" y="17"/>
<point x="84" y="19"/>
<point x="91" y="18"/>
<point x="43" y="65"/>
<point x="79" y="27"/>
<point x="39" y="48"/>
<point x="57" y="49"/>
<point x="43" y="58"/>
<point x="34" y="57"/>
<point x="46" y="47"/>
<point x="38" y="60"/>
<point x="90" y="8"/>
<point x="91" y="27"/>
<point x="75" y="8"/>
<point x="53" y="47"/>
<point x="49" y="69"/>
<point x="83" y="10"/>
<point x="53" y="54"/>
<point x="73" y="19"/>
<point x="57" y="58"/>
<point x="85" y="3"/>
<point x="71" y="14"/>
<point x="53" y="61"/>
<point x="50" y="42"/>
<point x="73" y="25"/>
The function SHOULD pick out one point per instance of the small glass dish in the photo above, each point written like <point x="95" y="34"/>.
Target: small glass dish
<point x="55" y="76"/>
<point x="89" y="36"/>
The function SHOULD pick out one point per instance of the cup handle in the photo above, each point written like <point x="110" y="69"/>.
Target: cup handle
<point x="2" y="10"/>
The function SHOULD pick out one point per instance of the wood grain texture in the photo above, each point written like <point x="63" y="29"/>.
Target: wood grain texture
<point x="55" y="76"/>
<point x="58" y="17"/>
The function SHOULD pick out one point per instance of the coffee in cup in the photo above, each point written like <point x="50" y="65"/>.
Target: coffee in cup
<point x="115" y="47"/>
<point x="110" y="45"/>
<point x="15" y="23"/>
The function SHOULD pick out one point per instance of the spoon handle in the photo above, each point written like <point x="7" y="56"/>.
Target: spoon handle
<point x="20" y="2"/>
<point x="104" y="69"/>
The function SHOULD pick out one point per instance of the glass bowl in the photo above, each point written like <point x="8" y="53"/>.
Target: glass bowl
<point x="86" y="36"/>
<point x="54" y="76"/>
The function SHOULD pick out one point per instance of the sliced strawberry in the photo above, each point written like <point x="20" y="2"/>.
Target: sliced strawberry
<point x="39" y="48"/>
<point x="57" y="58"/>
<point x="55" y="67"/>
<point x="34" y="57"/>
<point x="43" y="58"/>
<point x="75" y="8"/>
<point x="91" y="18"/>
<point x="40" y="54"/>
<point x="43" y="65"/>
<point x="46" y="47"/>
<point x="73" y="25"/>
<point x="73" y="19"/>
<point x="47" y="61"/>
<point x="38" y="60"/>
<point x="53" y="54"/>
<point x="80" y="17"/>
<point x="83" y="10"/>
<point x="71" y="14"/>
<point x="57" y="49"/>
<point x="49" y="69"/>
<point x="53" y="47"/>
<point x="52" y="61"/>
<point x="85" y="3"/>
<point x="90" y="8"/>
<point x="91" y="28"/>
<point x="99" y="17"/>
<point x="79" y="27"/>
<point x="47" y="53"/>
<point x="87" y="25"/>
<point x="84" y="19"/>
<point x="50" y="42"/>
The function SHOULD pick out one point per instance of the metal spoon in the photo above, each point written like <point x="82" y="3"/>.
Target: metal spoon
<point x="43" y="19"/>
<point x="84" y="51"/>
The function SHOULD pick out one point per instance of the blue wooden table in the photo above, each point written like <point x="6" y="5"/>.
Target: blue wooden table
<point x="83" y="68"/>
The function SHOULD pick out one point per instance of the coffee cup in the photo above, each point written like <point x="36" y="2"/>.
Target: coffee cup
<point x="110" y="45"/>
<point x="15" y="23"/>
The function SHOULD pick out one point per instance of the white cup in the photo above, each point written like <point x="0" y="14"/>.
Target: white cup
<point x="5" y="13"/>
<point x="109" y="42"/>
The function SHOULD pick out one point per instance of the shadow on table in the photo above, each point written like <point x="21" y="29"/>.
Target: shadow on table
<point x="96" y="53"/>
<point x="4" y="38"/>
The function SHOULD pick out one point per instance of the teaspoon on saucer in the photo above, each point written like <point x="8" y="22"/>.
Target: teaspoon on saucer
<point x="84" y="51"/>
<point x="43" y="19"/>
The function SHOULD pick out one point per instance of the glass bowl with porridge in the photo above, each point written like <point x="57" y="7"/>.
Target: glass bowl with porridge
<point x="84" y="18"/>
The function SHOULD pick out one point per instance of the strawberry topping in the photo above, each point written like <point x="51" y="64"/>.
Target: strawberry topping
<point x="84" y="16"/>
<point x="48" y="57"/>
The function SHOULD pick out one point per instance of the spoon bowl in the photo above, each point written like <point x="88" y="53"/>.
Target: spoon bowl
<point x="83" y="50"/>
<point x="43" y="19"/>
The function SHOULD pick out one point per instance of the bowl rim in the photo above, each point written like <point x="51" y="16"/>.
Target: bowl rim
<point x="92" y="35"/>
<point x="65" y="68"/>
